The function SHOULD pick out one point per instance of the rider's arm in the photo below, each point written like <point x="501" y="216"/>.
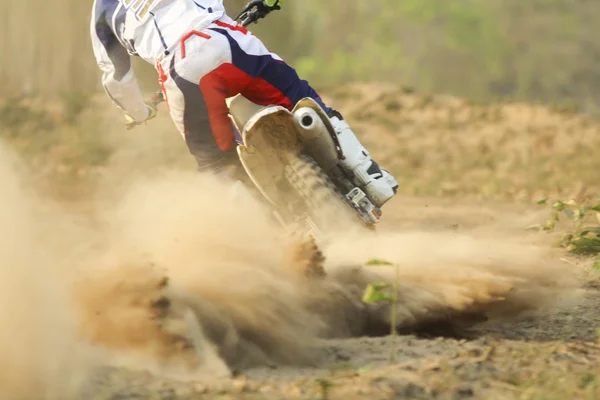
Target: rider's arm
<point x="118" y="77"/>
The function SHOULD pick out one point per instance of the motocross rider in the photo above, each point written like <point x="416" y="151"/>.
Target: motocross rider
<point x="203" y="57"/>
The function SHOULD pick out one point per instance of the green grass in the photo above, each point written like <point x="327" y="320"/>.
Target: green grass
<point x="484" y="50"/>
<point x="583" y="235"/>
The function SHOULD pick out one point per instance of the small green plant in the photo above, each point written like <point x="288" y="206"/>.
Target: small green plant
<point x="377" y="293"/>
<point x="596" y="265"/>
<point x="363" y="370"/>
<point x="392" y="105"/>
<point x="18" y="112"/>
<point x="325" y="386"/>
<point x="581" y="238"/>
<point x="586" y="380"/>
<point x="74" y="104"/>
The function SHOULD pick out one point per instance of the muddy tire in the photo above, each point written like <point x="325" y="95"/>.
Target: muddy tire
<point x="320" y="197"/>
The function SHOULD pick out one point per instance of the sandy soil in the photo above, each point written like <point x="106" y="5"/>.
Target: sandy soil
<point x="161" y="283"/>
<point x="549" y="352"/>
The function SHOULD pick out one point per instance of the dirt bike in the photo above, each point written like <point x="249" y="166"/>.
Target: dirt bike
<point x="293" y="159"/>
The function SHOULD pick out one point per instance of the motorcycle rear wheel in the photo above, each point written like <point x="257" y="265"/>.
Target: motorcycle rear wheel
<point x="321" y="199"/>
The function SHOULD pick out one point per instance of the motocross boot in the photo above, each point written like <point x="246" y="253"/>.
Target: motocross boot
<point x="378" y="184"/>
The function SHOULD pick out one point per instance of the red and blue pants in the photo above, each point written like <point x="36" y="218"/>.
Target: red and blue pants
<point x="216" y="63"/>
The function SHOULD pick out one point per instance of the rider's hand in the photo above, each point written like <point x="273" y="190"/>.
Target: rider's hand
<point x="273" y="4"/>
<point x="130" y="123"/>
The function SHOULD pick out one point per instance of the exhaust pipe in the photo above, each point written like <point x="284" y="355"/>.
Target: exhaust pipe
<point x="317" y="140"/>
<point x="310" y="123"/>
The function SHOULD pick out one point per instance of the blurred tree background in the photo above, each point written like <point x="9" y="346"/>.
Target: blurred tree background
<point x="485" y="50"/>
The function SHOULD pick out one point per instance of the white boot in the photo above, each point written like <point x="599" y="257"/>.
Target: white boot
<point x="377" y="183"/>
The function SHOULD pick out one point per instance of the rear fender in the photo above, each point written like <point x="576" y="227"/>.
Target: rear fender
<point x="268" y="136"/>
<point x="269" y="139"/>
<point x="241" y="110"/>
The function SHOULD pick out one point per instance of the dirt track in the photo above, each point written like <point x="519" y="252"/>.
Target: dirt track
<point x="549" y="354"/>
<point x="460" y="259"/>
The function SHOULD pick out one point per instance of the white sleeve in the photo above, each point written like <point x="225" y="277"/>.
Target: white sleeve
<point x="118" y="78"/>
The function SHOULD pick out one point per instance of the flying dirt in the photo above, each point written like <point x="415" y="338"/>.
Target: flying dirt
<point x="40" y="347"/>
<point x="185" y="279"/>
<point x="169" y="283"/>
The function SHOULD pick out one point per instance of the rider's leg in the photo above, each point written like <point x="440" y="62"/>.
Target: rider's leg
<point x="378" y="183"/>
<point x="275" y="82"/>
<point x="204" y="125"/>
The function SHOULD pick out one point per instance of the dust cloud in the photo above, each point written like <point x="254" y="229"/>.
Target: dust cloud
<point x="226" y="260"/>
<point x="229" y="263"/>
<point x="181" y="274"/>
<point x="448" y="277"/>
<point x="41" y="355"/>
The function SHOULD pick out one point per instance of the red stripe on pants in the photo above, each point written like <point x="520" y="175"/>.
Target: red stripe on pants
<point x="162" y="78"/>
<point x="227" y="81"/>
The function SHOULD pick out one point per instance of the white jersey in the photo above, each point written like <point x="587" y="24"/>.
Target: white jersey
<point x="149" y="29"/>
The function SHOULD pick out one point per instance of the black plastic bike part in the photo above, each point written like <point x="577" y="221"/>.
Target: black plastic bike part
<point x="253" y="11"/>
